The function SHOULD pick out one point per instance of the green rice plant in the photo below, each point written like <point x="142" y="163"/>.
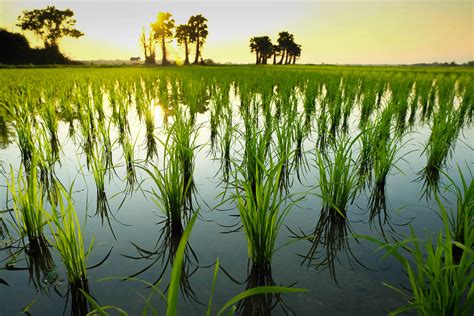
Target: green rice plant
<point x="151" y="147"/>
<point x="338" y="176"/>
<point x="226" y="136"/>
<point x="384" y="160"/>
<point x="443" y="136"/>
<point x="462" y="216"/>
<point x="50" y="121"/>
<point x="68" y="239"/>
<point x="24" y="128"/>
<point x="172" y="187"/>
<point x="128" y="154"/>
<point x="28" y="204"/>
<point x="438" y="283"/>
<point x="262" y="208"/>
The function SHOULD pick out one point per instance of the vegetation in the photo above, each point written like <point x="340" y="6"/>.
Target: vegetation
<point x="286" y="48"/>
<point x="122" y="127"/>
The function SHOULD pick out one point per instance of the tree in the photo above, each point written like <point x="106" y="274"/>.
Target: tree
<point x="198" y="33"/>
<point x="163" y="30"/>
<point x="284" y="40"/>
<point x="255" y="49"/>
<point x="293" y="51"/>
<point x="183" y="36"/>
<point x="148" y="45"/>
<point x="50" y="24"/>
<point x="263" y="48"/>
<point x="276" y="52"/>
<point x="15" y="48"/>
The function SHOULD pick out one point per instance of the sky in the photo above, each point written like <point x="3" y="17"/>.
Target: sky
<point x="335" y="32"/>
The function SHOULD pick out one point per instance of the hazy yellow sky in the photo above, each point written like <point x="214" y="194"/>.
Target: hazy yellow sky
<point x="351" y="31"/>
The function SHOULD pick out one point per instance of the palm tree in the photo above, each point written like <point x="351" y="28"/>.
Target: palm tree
<point x="198" y="33"/>
<point x="254" y="48"/>
<point x="284" y="40"/>
<point x="163" y="29"/>
<point x="183" y="34"/>
<point x="263" y="48"/>
<point x="276" y="52"/>
<point x="293" y="51"/>
<point x="266" y="48"/>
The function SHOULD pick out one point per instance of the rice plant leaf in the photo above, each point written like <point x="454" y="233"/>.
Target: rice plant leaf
<point x="172" y="303"/>
<point x="259" y="290"/>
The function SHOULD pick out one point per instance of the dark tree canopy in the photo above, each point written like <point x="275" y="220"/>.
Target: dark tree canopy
<point x="15" y="50"/>
<point x="263" y="48"/>
<point x="50" y="24"/>
<point x="198" y="35"/>
<point x="285" y="47"/>
<point x="183" y="36"/>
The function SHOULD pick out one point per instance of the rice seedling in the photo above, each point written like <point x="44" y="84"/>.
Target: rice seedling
<point x="151" y="145"/>
<point x="262" y="209"/>
<point x="438" y="283"/>
<point x="172" y="187"/>
<point x="68" y="240"/>
<point x="128" y="154"/>
<point x="440" y="144"/>
<point x="184" y="134"/>
<point x="338" y="184"/>
<point x="338" y="177"/>
<point x="50" y="121"/>
<point x="28" y="204"/>
<point x="385" y="159"/>
<point x="461" y="217"/>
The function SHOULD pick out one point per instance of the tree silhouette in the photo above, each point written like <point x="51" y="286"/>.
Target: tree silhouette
<point x="183" y="36"/>
<point x="255" y="49"/>
<point x="284" y="40"/>
<point x="276" y="52"/>
<point x="286" y="47"/>
<point x="163" y="30"/>
<point x="148" y="45"/>
<point x="198" y="33"/>
<point x="293" y="51"/>
<point x="49" y="24"/>
<point x="263" y="48"/>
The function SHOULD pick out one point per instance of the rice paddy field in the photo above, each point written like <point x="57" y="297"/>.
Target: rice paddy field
<point x="321" y="190"/>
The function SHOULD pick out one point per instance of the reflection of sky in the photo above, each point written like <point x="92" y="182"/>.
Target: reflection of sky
<point x="361" y="289"/>
<point x="351" y="31"/>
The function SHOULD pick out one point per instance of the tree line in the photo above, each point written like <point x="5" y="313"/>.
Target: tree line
<point x="286" y="50"/>
<point x="50" y="25"/>
<point x="164" y="29"/>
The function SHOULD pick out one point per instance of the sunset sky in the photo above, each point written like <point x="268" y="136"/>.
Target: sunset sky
<point x="343" y="32"/>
